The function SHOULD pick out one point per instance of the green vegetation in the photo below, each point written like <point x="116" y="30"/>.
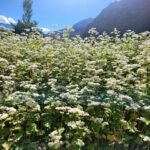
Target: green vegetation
<point x="25" y="24"/>
<point x="90" y="94"/>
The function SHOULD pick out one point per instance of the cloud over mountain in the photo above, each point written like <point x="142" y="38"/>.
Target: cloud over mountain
<point x="6" y="20"/>
<point x="45" y="30"/>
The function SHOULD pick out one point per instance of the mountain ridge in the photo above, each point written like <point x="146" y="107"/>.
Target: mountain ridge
<point x="7" y="26"/>
<point x="123" y="15"/>
<point x="80" y="26"/>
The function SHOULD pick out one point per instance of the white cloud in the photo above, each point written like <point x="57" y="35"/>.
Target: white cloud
<point x="45" y="30"/>
<point x="11" y="20"/>
<point x="6" y="20"/>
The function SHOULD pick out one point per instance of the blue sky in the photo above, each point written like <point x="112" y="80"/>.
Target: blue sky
<point x="49" y="13"/>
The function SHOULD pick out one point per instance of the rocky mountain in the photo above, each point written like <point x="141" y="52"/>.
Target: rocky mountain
<point x="123" y="15"/>
<point x="7" y="26"/>
<point x="81" y="26"/>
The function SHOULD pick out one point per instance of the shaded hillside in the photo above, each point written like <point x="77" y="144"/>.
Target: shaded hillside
<point x="81" y="26"/>
<point x="123" y="15"/>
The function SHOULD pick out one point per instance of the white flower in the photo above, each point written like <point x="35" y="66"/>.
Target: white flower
<point x="77" y="111"/>
<point x="141" y="71"/>
<point x="93" y="103"/>
<point x="146" y="139"/>
<point x="98" y="120"/>
<point x="80" y="142"/>
<point x="92" y="84"/>
<point x="36" y="94"/>
<point x="93" y="31"/>
<point x="64" y="95"/>
<point x="124" y="97"/>
<point x="75" y="124"/>
<point x="111" y="92"/>
<point x="112" y="82"/>
<point x="3" y="116"/>
<point x="55" y="143"/>
<point x="54" y="133"/>
<point x="105" y="123"/>
<point x="146" y="107"/>
<point x="4" y="61"/>
<point x="63" y="108"/>
<point x="8" y="109"/>
<point x="11" y="109"/>
<point x="105" y="104"/>
<point x="30" y="86"/>
<point x="52" y="81"/>
<point x="135" y="106"/>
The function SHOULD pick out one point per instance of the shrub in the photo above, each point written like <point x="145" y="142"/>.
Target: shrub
<point x="90" y="93"/>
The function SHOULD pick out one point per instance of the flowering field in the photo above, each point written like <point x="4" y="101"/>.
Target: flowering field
<point x="72" y="94"/>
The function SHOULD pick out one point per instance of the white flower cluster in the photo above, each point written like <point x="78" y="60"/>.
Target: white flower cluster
<point x="75" y="124"/>
<point x="70" y="110"/>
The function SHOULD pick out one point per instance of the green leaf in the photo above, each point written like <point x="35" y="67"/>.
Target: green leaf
<point x="32" y="129"/>
<point x="18" y="136"/>
<point x="47" y="124"/>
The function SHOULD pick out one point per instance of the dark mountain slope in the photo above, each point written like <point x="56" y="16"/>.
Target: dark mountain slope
<point x="123" y="15"/>
<point x="81" y="26"/>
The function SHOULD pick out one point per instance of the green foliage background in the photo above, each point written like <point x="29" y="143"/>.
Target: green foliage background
<point x="62" y="93"/>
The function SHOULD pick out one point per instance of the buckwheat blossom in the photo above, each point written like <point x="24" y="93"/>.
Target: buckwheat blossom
<point x="88" y="87"/>
<point x="5" y="77"/>
<point x="52" y="81"/>
<point x="105" y="104"/>
<point x="65" y="96"/>
<point x="98" y="120"/>
<point x="3" y="116"/>
<point x="31" y="86"/>
<point x="86" y="90"/>
<point x="93" y="103"/>
<point x="92" y="84"/>
<point x="11" y="109"/>
<point x="146" y="107"/>
<point x="3" y="61"/>
<point x="77" y="111"/>
<point x="65" y="108"/>
<point x="135" y="106"/>
<point x="54" y="133"/>
<point x="112" y="82"/>
<point x="111" y="92"/>
<point x="35" y="94"/>
<point x="75" y="124"/>
<point x="105" y="124"/>
<point x="93" y="31"/>
<point x="124" y="97"/>
<point x="80" y="142"/>
<point x="56" y="144"/>
<point x="146" y="139"/>
<point x="60" y="87"/>
<point x="12" y="67"/>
